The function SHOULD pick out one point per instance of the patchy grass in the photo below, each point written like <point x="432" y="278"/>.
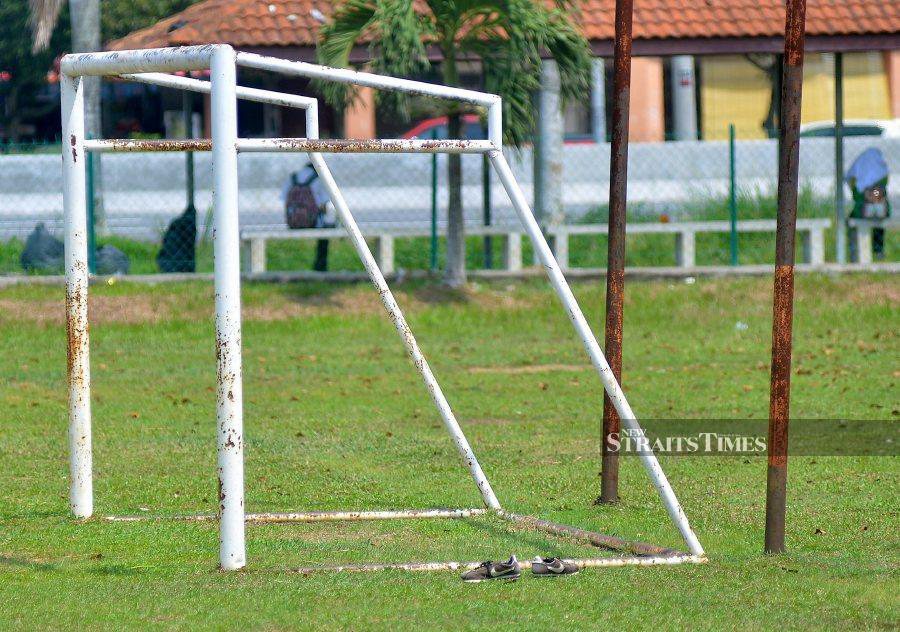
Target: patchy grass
<point x="335" y="418"/>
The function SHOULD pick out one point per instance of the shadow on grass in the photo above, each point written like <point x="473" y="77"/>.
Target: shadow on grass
<point x="22" y="562"/>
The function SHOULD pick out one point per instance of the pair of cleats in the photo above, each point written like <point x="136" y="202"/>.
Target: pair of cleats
<point x="511" y="571"/>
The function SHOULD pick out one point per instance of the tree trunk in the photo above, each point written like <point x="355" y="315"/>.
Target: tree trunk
<point x="85" y="19"/>
<point x="455" y="273"/>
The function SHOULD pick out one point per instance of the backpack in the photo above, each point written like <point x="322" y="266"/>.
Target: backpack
<point x="300" y="208"/>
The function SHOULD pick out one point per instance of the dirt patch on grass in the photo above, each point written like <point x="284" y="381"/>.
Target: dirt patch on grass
<point x="880" y="292"/>
<point x="260" y="304"/>
<point x="133" y="309"/>
<point x="487" y="421"/>
<point x="531" y="368"/>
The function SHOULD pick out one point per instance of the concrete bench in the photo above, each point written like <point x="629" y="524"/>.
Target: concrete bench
<point x="861" y="236"/>
<point x="812" y="235"/>
<point x="254" y="241"/>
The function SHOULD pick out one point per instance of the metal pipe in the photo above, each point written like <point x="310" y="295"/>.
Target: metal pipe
<point x="840" y="221"/>
<point x="138" y="61"/>
<point x="126" y="145"/>
<point x="365" y="146"/>
<point x="187" y="106"/>
<point x="226" y="249"/>
<point x="203" y="87"/>
<point x="412" y="347"/>
<point x="783" y="307"/>
<point x="300" y="145"/>
<point x="434" y="210"/>
<point x="615" y="262"/>
<point x="371" y="80"/>
<point x="593" y="537"/>
<point x="613" y="390"/>
<point x="320" y="516"/>
<point x="732" y="195"/>
<point x="81" y="495"/>
<point x="591" y="562"/>
<point x="486" y="210"/>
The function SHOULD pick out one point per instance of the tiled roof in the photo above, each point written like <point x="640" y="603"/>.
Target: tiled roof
<point x="678" y="19"/>
<point x="259" y="23"/>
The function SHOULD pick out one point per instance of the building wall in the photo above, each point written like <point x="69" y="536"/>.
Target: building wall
<point x="733" y="90"/>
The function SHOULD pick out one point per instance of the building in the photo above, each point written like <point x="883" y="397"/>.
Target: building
<point x="698" y="67"/>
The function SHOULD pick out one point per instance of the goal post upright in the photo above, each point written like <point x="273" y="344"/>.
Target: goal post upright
<point x="227" y="281"/>
<point x="152" y="66"/>
<point x="78" y="375"/>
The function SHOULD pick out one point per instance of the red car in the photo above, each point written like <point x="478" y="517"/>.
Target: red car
<point x="472" y="130"/>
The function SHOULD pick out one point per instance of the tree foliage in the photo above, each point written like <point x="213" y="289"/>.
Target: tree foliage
<point x="508" y="37"/>
<point x="121" y="17"/>
<point x="22" y="98"/>
<point x="28" y="70"/>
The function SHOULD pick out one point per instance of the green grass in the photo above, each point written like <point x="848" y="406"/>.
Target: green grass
<point x="335" y="417"/>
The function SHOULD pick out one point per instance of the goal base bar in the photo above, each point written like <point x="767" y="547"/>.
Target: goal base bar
<point x="589" y="562"/>
<point x="316" y="516"/>
<point x="639" y="553"/>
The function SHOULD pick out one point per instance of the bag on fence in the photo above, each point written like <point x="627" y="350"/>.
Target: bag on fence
<point x="179" y="242"/>
<point x="110" y="260"/>
<point x="43" y="252"/>
<point x="300" y="208"/>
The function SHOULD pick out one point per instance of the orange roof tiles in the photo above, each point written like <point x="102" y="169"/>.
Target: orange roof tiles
<point x="263" y="23"/>
<point x="677" y="19"/>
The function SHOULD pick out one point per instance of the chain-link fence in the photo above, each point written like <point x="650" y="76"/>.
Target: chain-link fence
<point x="141" y="194"/>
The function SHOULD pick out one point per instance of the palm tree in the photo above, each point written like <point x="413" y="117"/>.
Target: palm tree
<point x="85" y="18"/>
<point x="508" y="37"/>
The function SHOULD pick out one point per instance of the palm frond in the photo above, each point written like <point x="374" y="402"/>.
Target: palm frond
<point x="397" y="36"/>
<point x="42" y="18"/>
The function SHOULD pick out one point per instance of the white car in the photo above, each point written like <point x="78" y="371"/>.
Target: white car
<point x="888" y="128"/>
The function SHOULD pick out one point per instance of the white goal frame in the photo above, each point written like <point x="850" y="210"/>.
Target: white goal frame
<point x="153" y="66"/>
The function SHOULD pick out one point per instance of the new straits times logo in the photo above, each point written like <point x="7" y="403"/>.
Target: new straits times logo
<point x="638" y="442"/>
<point x="749" y="437"/>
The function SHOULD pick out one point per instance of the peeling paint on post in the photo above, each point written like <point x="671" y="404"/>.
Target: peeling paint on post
<point x="81" y="500"/>
<point x="783" y="308"/>
<point x="615" y="262"/>
<point x="226" y="246"/>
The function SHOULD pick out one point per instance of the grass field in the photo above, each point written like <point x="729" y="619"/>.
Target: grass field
<point x="335" y="418"/>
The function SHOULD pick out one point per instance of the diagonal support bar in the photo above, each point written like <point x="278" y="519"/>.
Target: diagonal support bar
<point x="409" y="341"/>
<point x="613" y="390"/>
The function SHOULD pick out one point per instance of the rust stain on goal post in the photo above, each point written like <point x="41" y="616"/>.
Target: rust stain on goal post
<point x="783" y="304"/>
<point x="615" y="262"/>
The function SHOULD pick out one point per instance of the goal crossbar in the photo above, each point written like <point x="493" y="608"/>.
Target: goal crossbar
<point x="151" y="66"/>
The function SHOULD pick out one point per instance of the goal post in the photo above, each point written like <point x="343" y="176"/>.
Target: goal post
<point x="153" y="66"/>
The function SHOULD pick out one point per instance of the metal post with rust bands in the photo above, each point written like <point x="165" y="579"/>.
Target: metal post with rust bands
<point x="783" y="309"/>
<point x="615" y="262"/>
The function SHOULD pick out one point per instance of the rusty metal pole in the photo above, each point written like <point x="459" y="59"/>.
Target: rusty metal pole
<point x="615" y="263"/>
<point x="783" y="309"/>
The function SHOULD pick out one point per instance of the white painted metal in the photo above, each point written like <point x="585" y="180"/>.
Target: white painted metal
<point x="592" y="562"/>
<point x="226" y="253"/>
<point x="81" y="499"/>
<point x="300" y="145"/>
<point x="368" y="146"/>
<point x="139" y="61"/>
<point x="137" y="145"/>
<point x="222" y="62"/>
<point x="198" y="85"/>
<point x="321" y="516"/>
<point x="412" y="347"/>
<point x="676" y="513"/>
<point x="344" y="75"/>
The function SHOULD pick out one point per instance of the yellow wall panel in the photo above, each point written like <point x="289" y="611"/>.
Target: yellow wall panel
<point x="733" y="90"/>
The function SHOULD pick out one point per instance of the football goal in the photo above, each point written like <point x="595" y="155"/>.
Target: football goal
<point x="156" y="66"/>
